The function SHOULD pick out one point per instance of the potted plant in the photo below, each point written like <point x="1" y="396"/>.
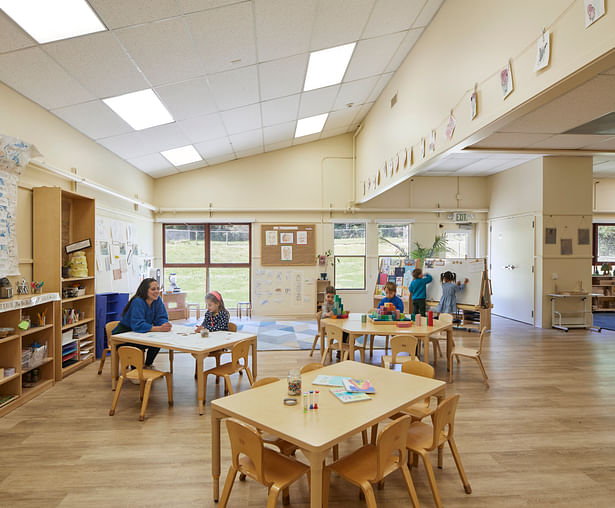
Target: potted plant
<point x="606" y="269"/>
<point x="437" y="248"/>
<point x="323" y="261"/>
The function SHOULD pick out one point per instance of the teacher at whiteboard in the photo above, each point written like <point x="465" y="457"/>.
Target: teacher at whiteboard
<point x="145" y="312"/>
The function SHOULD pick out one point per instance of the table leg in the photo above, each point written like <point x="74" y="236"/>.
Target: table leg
<point x="425" y="349"/>
<point x="200" y="381"/>
<point x="449" y="347"/>
<point x="114" y="364"/>
<point x="254" y="359"/>
<point x="215" y="452"/>
<point x="351" y="339"/>
<point x="317" y="460"/>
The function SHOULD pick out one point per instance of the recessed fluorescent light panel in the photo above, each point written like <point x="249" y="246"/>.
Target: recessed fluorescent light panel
<point x="183" y="155"/>
<point x="310" y="125"/>
<point x="140" y="110"/>
<point x="47" y="20"/>
<point x="327" y="67"/>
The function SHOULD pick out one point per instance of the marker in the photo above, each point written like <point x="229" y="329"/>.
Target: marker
<point x="305" y="402"/>
<point x="316" y="399"/>
<point x="311" y="399"/>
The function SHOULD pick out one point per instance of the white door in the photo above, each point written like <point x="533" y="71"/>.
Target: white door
<point x="511" y="256"/>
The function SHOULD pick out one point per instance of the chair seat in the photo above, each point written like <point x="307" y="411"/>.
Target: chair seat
<point x="464" y="351"/>
<point x="147" y="374"/>
<point x="420" y="436"/>
<point x="224" y="369"/>
<point x="278" y="469"/>
<point x="419" y="411"/>
<point x="285" y="447"/>
<point x="361" y="465"/>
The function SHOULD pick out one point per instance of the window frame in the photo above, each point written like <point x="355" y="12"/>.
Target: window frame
<point x="364" y="256"/>
<point x="393" y="223"/>
<point x="468" y="234"/>
<point x="594" y="241"/>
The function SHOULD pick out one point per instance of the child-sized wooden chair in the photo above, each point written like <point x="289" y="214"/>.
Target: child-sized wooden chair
<point x="133" y="357"/>
<point x="423" y="438"/>
<point x="232" y="327"/>
<point x="336" y="343"/>
<point x="466" y="352"/>
<point x="238" y="363"/>
<point x="250" y="457"/>
<point x="108" y="329"/>
<point x="319" y="336"/>
<point x="310" y="367"/>
<point x="400" y="344"/>
<point x="373" y="462"/>
<point x="440" y="336"/>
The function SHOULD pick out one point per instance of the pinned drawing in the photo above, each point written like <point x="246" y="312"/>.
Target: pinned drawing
<point x="543" y="51"/>
<point x="302" y="238"/>
<point x="287" y="253"/>
<point x="286" y="238"/>
<point x="594" y="10"/>
<point x="422" y="148"/>
<point x="450" y="126"/>
<point x="271" y="237"/>
<point x="473" y="105"/>
<point x="506" y="80"/>
<point x="566" y="246"/>
<point x="396" y="163"/>
<point x="551" y="235"/>
<point x="583" y="236"/>
<point x="404" y="158"/>
<point x="432" y="141"/>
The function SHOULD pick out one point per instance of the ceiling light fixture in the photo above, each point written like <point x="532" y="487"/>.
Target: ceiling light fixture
<point x="48" y="21"/>
<point x="182" y="155"/>
<point x="327" y="66"/>
<point x="140" y="109"/>
<point x="310" y="125"/>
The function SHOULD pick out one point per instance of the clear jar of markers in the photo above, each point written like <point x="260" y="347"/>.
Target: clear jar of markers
<point x="294" y="382"/>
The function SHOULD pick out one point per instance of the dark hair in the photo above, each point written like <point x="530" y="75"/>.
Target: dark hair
<point x="141" y="292"/>
<point x="391" y="286"/>
<point x="216" y="297"/>
<point x="330" y="290"/>
<point x="448" y="276"/>
<point x="416" y="272"/>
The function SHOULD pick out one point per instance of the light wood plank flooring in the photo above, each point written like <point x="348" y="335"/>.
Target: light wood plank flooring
<point x="541" y="435"/>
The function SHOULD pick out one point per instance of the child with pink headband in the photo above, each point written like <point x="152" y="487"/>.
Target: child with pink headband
<point x="217" y="317"/>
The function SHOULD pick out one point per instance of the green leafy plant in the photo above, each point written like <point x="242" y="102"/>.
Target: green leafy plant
<point x="605" y="268"/>
<point x="403" y="252"/>
<point x="437" y="248"/>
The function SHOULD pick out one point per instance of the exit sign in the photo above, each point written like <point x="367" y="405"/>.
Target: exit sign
<point x="461" y="217"/>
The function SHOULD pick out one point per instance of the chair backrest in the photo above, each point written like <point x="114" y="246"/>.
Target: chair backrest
<point x="264" y="381"/>
<point x="232" y="327"/>
<point x="239" y="351"/>
<point x="109" y="328"/>
<point x="335" y="334"/>
<point x="246" y="440"/>
<point x="483" y="334"/>
<point x="403" y="344"/>
<point x="444" y="416"/>
<point x="391" y="446"/>
<point x="131" y="356"/>
<point x="310" y="366"/>
<point x="418" y="368"/>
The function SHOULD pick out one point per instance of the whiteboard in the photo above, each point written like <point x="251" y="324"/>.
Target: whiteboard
<point x="471" y="269"/>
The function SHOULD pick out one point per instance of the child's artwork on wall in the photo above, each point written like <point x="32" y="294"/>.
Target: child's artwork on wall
<point x="302" y="238"/>
<point x="473" y="104"/>
<point x="583" y="236"/>
<point x="543" y="51"/>
<point x="566" y="246"/>
<point x="594" y="10"/>
<point x="450" y="126"/>
<point x="551" y="235"/>
<point x="432" y="141"/>
<point x="287" y="253"/>
<point x="403" y="160"/>
<point x="422" y="148"/>
<point x="271" y="238"/>
<point x="506" y="81"/>
<point x="286" y="238"/>
<point x="396" y="163"/>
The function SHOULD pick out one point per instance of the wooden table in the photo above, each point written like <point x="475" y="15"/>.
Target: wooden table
<point x="182" y="338"/>
<point x="355" y="328"/>
<point x="316" y="432"/>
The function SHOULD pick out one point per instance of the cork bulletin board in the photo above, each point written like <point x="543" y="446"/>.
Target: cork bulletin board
<point x="288" y="245"/>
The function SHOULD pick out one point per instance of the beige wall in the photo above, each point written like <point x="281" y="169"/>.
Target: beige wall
<point x="468" y="42"/>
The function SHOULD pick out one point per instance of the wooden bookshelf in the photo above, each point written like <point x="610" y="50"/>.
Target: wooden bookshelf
<point x="321" y="285"/>
<point x="61" y="217"/>
<point x="20" y="384"/>
<point x="604" y="287"/>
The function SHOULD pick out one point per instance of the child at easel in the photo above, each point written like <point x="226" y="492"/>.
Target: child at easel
<point x="216" y="317"/>
<point x="450" y="287"/>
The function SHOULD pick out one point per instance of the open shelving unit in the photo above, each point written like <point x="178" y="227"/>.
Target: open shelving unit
<point x="321" y="285"/>
<point x="61" y="217"/>
<point x="11" y="347"/>
<point x="603" y="287"/>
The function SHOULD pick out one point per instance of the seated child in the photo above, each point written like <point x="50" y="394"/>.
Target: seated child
<point x="390" y="290"/>
<point x="216" y="317"/>
<point x="418" y="288"/>
<point x="327" y="305"/>
<point x="448" y="302"/>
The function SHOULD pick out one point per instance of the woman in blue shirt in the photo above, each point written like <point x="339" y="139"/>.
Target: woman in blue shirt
<point x="145" y="312"/>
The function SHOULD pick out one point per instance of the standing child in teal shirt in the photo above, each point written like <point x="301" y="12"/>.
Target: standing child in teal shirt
<point x="418" y="288"/>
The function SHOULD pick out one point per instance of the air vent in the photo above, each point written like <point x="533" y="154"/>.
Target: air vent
<point x="394" y="100"/>
<point x="604" y="125"/>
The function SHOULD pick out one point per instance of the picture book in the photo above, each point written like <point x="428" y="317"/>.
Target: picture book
<point x="359" y="385"/>
<point x="346" y="396"/>
<point x="328" y="380"/>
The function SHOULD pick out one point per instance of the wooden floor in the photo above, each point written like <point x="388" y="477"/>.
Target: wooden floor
<point x="543" y="434"/>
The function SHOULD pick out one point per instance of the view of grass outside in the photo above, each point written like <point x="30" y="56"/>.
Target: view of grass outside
<point x="398" y="234"/>
<point x="349" y="255"/>
<point x="184" y="243"/>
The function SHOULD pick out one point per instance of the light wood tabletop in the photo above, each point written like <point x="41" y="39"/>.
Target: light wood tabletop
<point x="355" y="328"/>
<point x="316" y="431"/>
<point x="184" y="339"/>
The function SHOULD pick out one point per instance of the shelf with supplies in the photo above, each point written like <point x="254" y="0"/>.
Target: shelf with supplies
<point x="603" y="287"/>
<point x="321" y="286"/>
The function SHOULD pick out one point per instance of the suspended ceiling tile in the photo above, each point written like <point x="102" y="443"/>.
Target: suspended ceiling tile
<point x="341" y="118"/>
<point x="121" y="13"/>
<point x="187" y="99"/>
<point x="362" y="112"/>
<point x="306" y="139"/>
<point x="247" y="140"/>
<point x="511" y="140"/>
<point x="371" y="56"/>
<point x="404" y="48"/>
<point x="224" y="37"/>
<point x="213" y="148"/>
<point x="283" y="27"/>
<point x="383" y="79"/>
<point x="161" y="173"/>
<point x="250" y="152"/>
<point x="163" y="50"/>
<point x="329" y="32"/>
<point x="480" y="166"/>
<point x="127" y="146"/>
<point x="354" y="92"/>
<point x="163" y="137"/>
<point x="392" y="16"/>
<point x="316" y="102"/>
<point x="570" y="141"/>
<point x="94" y="119"/>
<point x="242" y="119"/>
<point x="153" y="162"/>
<point x="278" y="133"/>
<point x="279" y="145"/>
<point x="235" y="88"/>
<point x="220" y="159"/>
<point x="34" y="74"/>
<point x="201" y="5"/>
<point x="12" y="37"/>
<point x="193" y="165"/>
<point x="450" y="164"/>
<point x="99" y="62"/>
<point x="428" y="12"/>
<point x="608" y="144"/>
<point x="203" y="128"/>
<point x="280" y="110"/>
<point x="326" y="133"/>
<point x="282" y="77"/>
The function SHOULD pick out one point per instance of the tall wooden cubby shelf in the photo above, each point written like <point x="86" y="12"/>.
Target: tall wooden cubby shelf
<point x="61" y="217"/>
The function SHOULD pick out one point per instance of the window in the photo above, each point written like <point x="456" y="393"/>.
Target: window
<point x="206" y="257"/>
<point x="393" y="240"/>
<point x="349" y="255"/>
<point x="458" y="244"/>
<point x="604" y="243"/>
